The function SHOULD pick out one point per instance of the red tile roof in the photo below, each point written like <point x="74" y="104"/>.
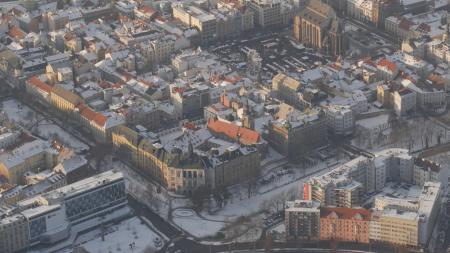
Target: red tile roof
<point x="100" y="119"/>
<point x="345" y="213"/>
<point x="391" y="66"/>
<point x="190" y="125"/>
<point x="39" y="84"/>
<point x="246" y="136"/>
<point x="148" y="10"/>
<point x="88" y="113"/>
<point x="16" y="32"/>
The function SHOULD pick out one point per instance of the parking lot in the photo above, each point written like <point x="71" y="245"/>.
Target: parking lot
<point x="278" y="52"/>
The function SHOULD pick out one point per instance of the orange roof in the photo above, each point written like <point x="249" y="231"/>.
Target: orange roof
<point x="345" y="213"/>
<point x="388" y="64"/>
<point x="39" y="84"/>
<point x="88" y="113"/>
<point x="100" y="119"/>
<point x="148" y="10"/>
<point x="246" y="136"/>
<point x="16" y="32"/>
<point x="190" y="125"/>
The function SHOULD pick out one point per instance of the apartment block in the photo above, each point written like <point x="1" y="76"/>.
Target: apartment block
<point x="302" y="219"/>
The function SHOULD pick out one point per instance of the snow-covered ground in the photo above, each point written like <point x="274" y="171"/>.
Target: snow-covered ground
<point x="189" y="221"/>
<point x="142" y="189"/>
<point x="267" y="197"/>
<point x="279" y="232"/>
<point x="379" y="132"/>
<point x="119" y="237"/>
<point x="241" y="216"/>
<point x="272" y="156"/>
<point x="50" y="131"/>
<point x="76" y="232"/>
<point x="20" y="114"/>
<point x="443" y="159"/>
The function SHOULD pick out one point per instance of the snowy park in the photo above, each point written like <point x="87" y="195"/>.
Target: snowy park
<point x="386" y="131"/>
<point x="37" y="124"/>
<point x="131" y="235"/>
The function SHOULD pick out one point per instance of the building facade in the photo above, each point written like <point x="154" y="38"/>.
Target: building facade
<point x="345" y="224"/>
<point x="317" y="26"/>
<point x="266" y="12"/>
<point x="48" y="218"/>
<point x="302" y="219"/>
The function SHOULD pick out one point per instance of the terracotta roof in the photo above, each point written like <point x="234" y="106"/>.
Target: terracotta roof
<point x="190" y="125"/>
<point x="436" y="79"/>
<point x="100" y="119"/>
<point x="88" y="113"/>
<point x="39" y="84"/>
<point x="148" y="10"/>
<point x="179" y="90"/>
<point x="391" y="66"/>
<point x="16" y="32"/>
<point x="246" y="136"/>
<point x="345" y="213"/>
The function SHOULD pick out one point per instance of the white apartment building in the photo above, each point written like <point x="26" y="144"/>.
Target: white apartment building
<point x="371" y="173"/>
<point x="266" y="12"/>
<point x="340" y="119"/>
<point x="406" y="220"/>
<point x="430" y="97"/>
<point x="364" y="10"/>
<point x="426" y="170"/>
<point x="54" y="216"/>
<point x="193" y="16"/>
<point x="404" y="101"/>
<point x="302" y="219"/>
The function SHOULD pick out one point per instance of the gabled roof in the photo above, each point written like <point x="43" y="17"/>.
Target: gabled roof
<point x="391" y="66"/>
<point x="67" y="95"/>
<point x="39" y="84"/>
<point x="345" y="213"/>
<point x="87" y="112"/>
<point x="100" y="119"/>
<point x="16" y="32"/>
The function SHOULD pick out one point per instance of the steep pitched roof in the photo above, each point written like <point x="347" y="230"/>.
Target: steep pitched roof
<point x="16" y="32"/>
<point x="391" y="66"/>
<point x="345" y="213"/>
<point x="87" y="112"/>
<point x="39" y="84"/>
<point x="100" y="119"/>
<point x="67" y="95"/>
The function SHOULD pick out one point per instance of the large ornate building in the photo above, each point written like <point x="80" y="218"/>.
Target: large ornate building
<point x="192" y="160"/>
<point x="318" y="26"/>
